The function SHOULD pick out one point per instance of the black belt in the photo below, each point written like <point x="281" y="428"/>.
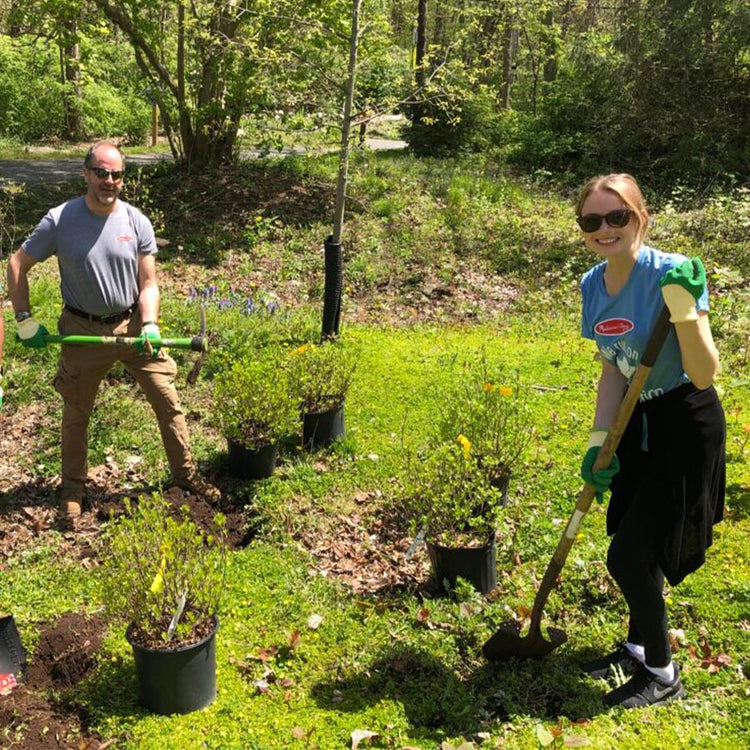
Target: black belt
<point x="114" y="318"/>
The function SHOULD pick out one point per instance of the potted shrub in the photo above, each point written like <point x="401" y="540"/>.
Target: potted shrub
<point x="490" y="409"/>
<point x="446" y="495"/>
<point x="255" y="410"/>
<point x="163" y="579"/>
<point x="320" y="376"/>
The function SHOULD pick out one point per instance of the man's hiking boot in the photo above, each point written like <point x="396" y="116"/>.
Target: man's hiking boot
<point x="194" y="484"/>
<point x="620" y="662"/>
<point x="644" y="688"/>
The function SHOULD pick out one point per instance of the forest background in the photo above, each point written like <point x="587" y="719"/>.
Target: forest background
<point x="464" y="243"/>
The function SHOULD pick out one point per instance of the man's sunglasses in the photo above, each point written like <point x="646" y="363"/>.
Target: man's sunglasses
<point x="617" y="219"/>
<point x="102" y="174"/>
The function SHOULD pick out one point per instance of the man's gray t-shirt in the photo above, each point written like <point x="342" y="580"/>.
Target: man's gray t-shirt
<point x="97" y="255"/>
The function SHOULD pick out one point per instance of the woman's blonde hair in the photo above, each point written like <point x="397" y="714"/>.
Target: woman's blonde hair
<point x="625" y="187"/>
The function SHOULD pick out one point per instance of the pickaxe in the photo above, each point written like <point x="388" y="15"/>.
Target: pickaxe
<point x="197" y="343"/>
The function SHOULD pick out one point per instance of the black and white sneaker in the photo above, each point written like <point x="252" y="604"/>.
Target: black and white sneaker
<point x="620" y="663"/>
<point x="644" y="688"/>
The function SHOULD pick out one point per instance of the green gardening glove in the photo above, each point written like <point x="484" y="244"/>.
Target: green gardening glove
<point x="149" y="342"/>
<point x="602" y="478"/>
<point x="31" y="334"/>
<point x="681" y="287"/>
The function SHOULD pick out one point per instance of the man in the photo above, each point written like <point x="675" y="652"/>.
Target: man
<point x="106" y="254"/>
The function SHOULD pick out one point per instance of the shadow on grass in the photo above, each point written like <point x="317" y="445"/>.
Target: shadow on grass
<point x="439" y="702"/>
<point x="738" y="501"/>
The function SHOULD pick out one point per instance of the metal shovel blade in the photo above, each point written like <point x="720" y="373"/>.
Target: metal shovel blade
<point x="507" y="643"/>
<point x="12" y="654"/>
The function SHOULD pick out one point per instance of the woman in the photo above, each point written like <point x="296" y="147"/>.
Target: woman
<point x="669" y="472"/>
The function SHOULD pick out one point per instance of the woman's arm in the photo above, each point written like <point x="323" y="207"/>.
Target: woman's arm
<point x="700" y="358"/>
<point x="611" y="389"/>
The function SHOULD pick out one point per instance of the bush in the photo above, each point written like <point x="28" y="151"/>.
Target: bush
<point x="161" y="570"/>
<point x="253" y="403"/>
<point x="445" y="491"/>
<point x="108" y="112"/>
<point x="488" y="409"/>
<point x="320" y="375"/>
<point x="442" y="127"/>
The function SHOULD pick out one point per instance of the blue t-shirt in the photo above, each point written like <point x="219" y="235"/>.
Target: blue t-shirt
<point x="621" y="324"/>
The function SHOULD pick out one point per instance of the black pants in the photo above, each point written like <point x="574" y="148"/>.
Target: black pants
<point x="633" y="561"/>
<point x="664" y="504"/>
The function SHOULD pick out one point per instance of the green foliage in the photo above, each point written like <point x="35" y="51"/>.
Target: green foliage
<point x="116" y="113"/>
<point x="452" y="124"/>
<point x="162" y="569"/>
<point x="30" y="92"/>
<point x="488" y="407"/>
<point x="320" y="374"/>
<point x="253" y="402"/>
<point x="446" y="489"/>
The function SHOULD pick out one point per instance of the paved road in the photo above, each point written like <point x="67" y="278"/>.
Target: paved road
<point x="59" y="170"/>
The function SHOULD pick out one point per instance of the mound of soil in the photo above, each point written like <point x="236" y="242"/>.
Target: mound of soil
<point x="31" y="715"/>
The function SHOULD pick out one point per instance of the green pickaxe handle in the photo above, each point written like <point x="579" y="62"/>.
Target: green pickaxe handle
<point x="195" y="344"/>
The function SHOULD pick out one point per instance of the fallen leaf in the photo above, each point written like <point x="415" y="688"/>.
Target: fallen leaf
<point x="360" y="735"/>
<point x="314" y="622"/>
<point x="576" y="741"/>
<point x="294" y="639"/>
<point x="544" y="736"/>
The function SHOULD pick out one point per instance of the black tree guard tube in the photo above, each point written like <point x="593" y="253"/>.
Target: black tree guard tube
<point x="334" y="260"/>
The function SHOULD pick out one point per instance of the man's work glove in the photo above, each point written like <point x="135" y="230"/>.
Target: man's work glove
<point x="149" y="342"/>
<point x="603" y="478"/>
<point x="681" y="287"/>
<point x="31" y="334"/>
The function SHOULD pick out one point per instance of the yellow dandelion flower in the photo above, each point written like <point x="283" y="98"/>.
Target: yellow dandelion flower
<point x="505" y="391"/>
<point x="465" y="444"/>
<point x="488" y="387"/>
<point x="301" y="349"/>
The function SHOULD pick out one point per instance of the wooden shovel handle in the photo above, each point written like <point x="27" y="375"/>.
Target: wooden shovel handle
<point x="604" y="459"/>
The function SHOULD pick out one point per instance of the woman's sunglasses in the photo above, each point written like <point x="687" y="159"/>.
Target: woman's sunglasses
<point x="617" y="219"/>
<point x="102" y="173"/>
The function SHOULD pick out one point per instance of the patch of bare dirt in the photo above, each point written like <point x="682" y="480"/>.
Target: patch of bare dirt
<point x="364" y="551"/>
<point x="32" y="714"/>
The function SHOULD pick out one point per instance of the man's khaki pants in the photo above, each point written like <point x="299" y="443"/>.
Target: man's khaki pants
<point x="81" y="369"/>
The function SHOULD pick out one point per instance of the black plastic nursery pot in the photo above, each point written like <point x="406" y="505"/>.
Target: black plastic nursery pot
<point x="478" y="565"/>
<point x="12" y="654"/>
<point x="320" y="429"/>
<point x="249" y="463"/>
<point x="178" y="680"/>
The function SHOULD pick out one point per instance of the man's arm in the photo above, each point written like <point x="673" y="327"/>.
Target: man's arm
<point x="148" y="296"/>
<point x="19" y="265"/>
<point x="30" y="333"/>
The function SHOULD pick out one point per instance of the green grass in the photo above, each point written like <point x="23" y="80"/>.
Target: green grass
<point x="375" y="663"/>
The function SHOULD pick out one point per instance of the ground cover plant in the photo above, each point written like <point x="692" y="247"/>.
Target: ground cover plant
<point x="329" y="636"/>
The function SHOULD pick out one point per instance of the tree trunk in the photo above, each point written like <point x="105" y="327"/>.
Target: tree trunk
<point x="421" y="51"/>
<point x="550" y="50"/>
<point x="70" y="62"/>
<point x="510" y="48"/>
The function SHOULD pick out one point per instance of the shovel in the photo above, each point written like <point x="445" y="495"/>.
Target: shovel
<point x="12" y="654"/>
<point x="507" y="642"/>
